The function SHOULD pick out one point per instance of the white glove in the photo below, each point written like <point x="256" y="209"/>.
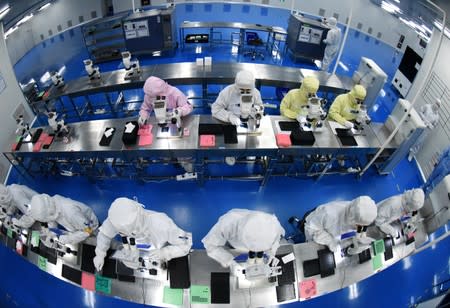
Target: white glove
<point x="348" y="124"/>
<point x="155" y="254"/>
<point x="365" y="240"/>
<point x="273" y="261"/>
<point x="141" y="121"/>
<point x="63" y="239"/>
<point x="300" y="118"/>
<point x="234" y="120"/>
<point x="98" y="263"/>
<point x="131" y="255"/>
<point x="333" y="246"/>
<point x="388" y="229"/>
<point x="235" y="268"/>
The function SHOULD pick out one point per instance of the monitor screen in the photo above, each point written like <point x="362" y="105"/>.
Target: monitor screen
<point x="410" y="64"/>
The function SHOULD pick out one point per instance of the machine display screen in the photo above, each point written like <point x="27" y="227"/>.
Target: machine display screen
<point x="410" y="64"/>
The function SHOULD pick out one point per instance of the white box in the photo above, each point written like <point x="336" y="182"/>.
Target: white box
<point x="208" y="61"/>
<point x="199" y="61"/>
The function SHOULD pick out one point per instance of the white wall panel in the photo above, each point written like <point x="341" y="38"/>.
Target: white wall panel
<point x="58" y="14"/>
<point x="10" y="98"/>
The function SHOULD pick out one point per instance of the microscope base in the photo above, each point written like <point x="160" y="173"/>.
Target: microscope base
<point x="169" y="131"/>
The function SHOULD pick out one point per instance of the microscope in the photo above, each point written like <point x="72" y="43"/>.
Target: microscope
<point x="251" y="113"/>
<point x="160" y="108"/>
<point x="256" y="272"/>
<point x="59" y="127"/>
<point x="23" y="129"/>
<point x="132" y="68"/>
<point x="50" y="239"/>
<point x="57" y="79"/>
<point x="316" y="114"/>
<point x="411" y="224"/>
<point x="92" y="71"/>
<point x="360" y="241"/>
<point x="138" y="259"/>
<point x="169" y="121"/>
<point x="362" y="118"/>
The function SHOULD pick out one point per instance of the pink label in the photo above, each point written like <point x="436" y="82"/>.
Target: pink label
<point x="207" y="140"/>
<point x="37" y="146"/>
<point x="88" y="281"/>
<point x="145" y="140"/>
<point x="307" y="288"/>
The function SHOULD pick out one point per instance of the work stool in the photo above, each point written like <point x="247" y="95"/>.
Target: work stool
<point x="253" y="39"/>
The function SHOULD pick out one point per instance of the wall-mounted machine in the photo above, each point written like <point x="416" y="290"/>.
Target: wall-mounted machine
<point x="305" y="38"/>
<point x="407" y="71"/>
<point x="372" y="77"/>
<point x="150" y="31"/>
<point x="410" y="130"/>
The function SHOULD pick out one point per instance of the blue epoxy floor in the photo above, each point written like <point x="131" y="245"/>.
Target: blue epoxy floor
<point x="197" y="208"/>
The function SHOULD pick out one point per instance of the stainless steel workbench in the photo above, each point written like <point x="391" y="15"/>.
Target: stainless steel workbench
<point x="274" y="34"/>
<point x="83" y="148"/>
<point x="189" y="73"/>
<point x="251" y="294"/>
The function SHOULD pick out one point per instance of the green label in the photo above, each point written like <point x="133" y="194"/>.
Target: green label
<point x="173" y="296"/>
<point x="377" y="262"/>
<point x="200" y="295"/>
<point x="378" y="247"/>
<point x="102" y="284"/>
<point x="9" y="232"/>
<point x="35" y="238"/>
<point x="42" y="263"/>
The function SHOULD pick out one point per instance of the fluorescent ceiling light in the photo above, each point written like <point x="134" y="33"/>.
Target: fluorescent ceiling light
<point x="44" y="7"/>
<point x="398" y="1"/>
<point x="438" y="25"/>
<point x="427" y="29"/>
<point x="4" y="11"/>
<point x="421" y="30"/>
<point x="24" y="19"/>
<point x="10" y="30"/>
<point x="390" y="8"/>
<point x="344" y="67"/>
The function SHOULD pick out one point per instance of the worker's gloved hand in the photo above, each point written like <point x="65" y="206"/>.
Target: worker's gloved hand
<point x="348" y="124"/>
<point x="131" y="255"/>
<point x="333" y="246"/>
<point x="365" y="240"/>
<point x="64" y="239"/>
<point x="155" y="255"/>
<point x="98" y="263"/>
<point x="388" y="229"/>
<point x="273" y="261"/>
<point x="234" y="120"/>
<point x="235" y="268"/>
<point x="141" y="121"/>
<point x="394" y="234"/>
